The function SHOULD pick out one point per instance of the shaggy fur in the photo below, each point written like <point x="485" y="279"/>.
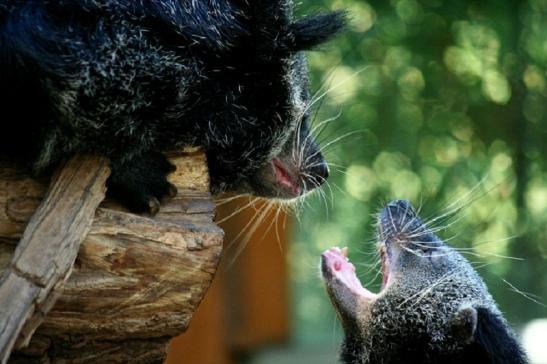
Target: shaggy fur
<point x="129" y="79"/>
<point x="434" y="310"/>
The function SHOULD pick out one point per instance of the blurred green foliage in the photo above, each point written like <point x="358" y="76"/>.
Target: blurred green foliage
<point x="448" y="100"/>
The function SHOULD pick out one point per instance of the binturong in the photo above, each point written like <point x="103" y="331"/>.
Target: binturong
<point x="133" y="79"/>
<point x="433" y="308"/>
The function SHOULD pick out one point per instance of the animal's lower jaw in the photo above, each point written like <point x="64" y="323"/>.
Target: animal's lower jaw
<point x="336" y="266"/>
<point x="386" y="268"/>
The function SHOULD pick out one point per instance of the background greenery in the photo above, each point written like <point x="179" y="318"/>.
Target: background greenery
<point x="449" y="98"/>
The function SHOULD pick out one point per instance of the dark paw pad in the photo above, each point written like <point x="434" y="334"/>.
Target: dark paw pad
<point x="142" y="184"/>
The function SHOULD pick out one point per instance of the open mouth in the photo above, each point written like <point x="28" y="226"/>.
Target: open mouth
<point x="284" y="178"/>
<point x="336" y="267"/>
<point x="398" y="224"/>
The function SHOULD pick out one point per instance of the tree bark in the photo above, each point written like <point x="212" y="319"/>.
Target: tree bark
<point x="136" y="281"/>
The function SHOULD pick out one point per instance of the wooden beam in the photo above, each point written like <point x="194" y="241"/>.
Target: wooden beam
<point x="45" y="255"/>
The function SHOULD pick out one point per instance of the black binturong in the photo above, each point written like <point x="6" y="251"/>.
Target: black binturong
<point x="131" y="79"/>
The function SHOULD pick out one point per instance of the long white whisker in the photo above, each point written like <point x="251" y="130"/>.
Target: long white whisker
<point x="255" y="224"/>
<point x="522" y="293"/>
<point x="237" y="211"/>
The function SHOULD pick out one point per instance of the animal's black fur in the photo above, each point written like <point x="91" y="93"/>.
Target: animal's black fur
<point x="490" y="344"/>
<point x="129" y="79"/>
<point x="433" y="308"/>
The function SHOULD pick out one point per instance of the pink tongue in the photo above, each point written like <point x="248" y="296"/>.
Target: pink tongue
<point x="342" y="269"/>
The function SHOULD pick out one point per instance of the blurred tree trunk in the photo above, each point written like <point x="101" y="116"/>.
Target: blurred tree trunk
<point x="247" y="306"/>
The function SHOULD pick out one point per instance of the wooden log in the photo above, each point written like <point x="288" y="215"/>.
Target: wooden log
<point x="137" y="280"/>
<point x="44" y="257"/>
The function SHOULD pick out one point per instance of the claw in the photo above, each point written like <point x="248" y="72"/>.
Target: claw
<point x="153" y="206"/>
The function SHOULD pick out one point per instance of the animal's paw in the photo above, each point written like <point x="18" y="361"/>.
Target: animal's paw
<point x="141" y="184"/>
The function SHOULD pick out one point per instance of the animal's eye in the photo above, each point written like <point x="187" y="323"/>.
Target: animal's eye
<point x="306" y="117"/>
<point x="422" y="251"/>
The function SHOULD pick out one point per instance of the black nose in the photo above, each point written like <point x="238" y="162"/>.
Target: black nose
<point x="401" y="206"/>
<point x="320" y="172"/>
<point x="400" y="218"/>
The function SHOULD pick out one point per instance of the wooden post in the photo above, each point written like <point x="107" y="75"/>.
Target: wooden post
<point x="136" y="281"/>
<point x="43" y="258"/>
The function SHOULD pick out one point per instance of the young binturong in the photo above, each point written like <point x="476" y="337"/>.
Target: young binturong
<point x="132" y="79"/>
<point x="433" y="307"/>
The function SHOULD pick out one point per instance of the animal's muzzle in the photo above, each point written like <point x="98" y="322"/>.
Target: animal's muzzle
<point x="399" y="220"/>
<point x="401" y="206"/>
<point x="320" y="171"/>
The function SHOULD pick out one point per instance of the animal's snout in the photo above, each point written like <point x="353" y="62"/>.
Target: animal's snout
<point x="400" y="220"/>
<point x="320" y="171"/>
<point x="401" y="207"/>
<point x="398" y="217"/>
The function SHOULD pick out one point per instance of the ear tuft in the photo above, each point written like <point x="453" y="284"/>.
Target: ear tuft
<point x="464" y="324"/>
<point x="314" y="30"/>
<point x="488" y="337"/>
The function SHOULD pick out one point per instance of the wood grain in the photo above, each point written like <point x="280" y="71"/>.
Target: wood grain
<point x="137" y="280"/>
<point x="44" y="257"/>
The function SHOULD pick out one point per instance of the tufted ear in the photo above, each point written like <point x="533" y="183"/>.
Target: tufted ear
<point x="275" y="34"/>
<point x="464" y="324"/>
<point x="314" y="30"/>
<point x="489" y="337"/>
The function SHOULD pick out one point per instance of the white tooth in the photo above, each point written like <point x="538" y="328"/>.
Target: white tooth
<point x="345" y="252"/>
